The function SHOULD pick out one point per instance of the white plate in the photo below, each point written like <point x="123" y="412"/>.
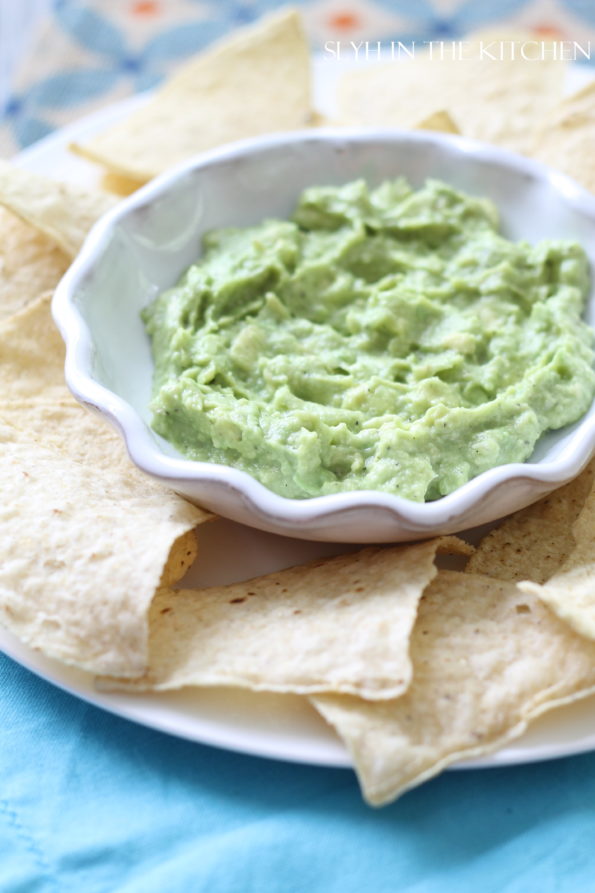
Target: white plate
<point x="280" y="726"/>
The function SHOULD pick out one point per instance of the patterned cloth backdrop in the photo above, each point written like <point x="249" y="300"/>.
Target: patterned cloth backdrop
<point x="90" y="54"/>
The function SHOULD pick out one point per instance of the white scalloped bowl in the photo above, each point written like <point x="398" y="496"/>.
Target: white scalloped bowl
<point x="147" y="241"/>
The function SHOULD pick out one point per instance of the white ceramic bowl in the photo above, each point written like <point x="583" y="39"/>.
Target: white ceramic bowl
<point x="144" y="244"/>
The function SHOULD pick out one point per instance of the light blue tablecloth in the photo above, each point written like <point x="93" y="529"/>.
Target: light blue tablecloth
<point x="89" y="802"/>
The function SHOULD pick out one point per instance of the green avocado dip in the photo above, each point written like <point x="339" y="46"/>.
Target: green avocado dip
<point x="385" y="339"/>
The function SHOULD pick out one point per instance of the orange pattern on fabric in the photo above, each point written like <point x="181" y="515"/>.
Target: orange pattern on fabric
<point x="145" y="8"/>
<point x="548" y="31"/>
<point x="344" y="21"/>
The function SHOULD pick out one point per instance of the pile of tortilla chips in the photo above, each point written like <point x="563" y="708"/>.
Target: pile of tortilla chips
<point x="415" y="667"/>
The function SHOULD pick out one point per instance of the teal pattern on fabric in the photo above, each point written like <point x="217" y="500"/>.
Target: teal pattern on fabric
<point x="115" y="58"/>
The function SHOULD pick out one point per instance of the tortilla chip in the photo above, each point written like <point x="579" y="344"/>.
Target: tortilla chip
<point x="62" y="212"/>
<point x="486" y="661"/>
<point x="66" y="426"/>
<point x="34" y="398"/>
<point x="85" y="437"/>
<point x="182" y="556"/>
<point x="257" y="81"/>
<point x="566" y="141"/>
<point x="32" y="354"/>
<point x="342" y="624"/>
<point x="318" y="119"/>
<point x="79" y="564"/>
<point x="502" y="102"/>
<point x="533" y="543"/>
<point x="438" y="121"/>
<point x="29" y="264"/>
<point x="570" y="593"/>
<point x="119" y="185"/>
<point x="36" y="401"/>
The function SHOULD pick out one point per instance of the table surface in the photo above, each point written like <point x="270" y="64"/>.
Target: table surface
<point x="92" y="802"/>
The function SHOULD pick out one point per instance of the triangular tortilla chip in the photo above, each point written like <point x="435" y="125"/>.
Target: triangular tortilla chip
<point x="83" y="472"/>
<point x="29" y="264"/>
<point x="35" y="399"/>
<point x="62" y="212"/>
<point x="438" y="121"/>
<point x="570" y="593"/>
<point x="533" y="543"/>
<point x="567" y="140"/>
<point x="486" y="660"/>
<point x="499" y="101"/>
<point x="79" y="564"/>
<point x="257" y="81"/>
<point x="119" y="185"/>
<point x="342" y="624"/>
<point x="64" y="425"/>
<point x="32" y="354"/>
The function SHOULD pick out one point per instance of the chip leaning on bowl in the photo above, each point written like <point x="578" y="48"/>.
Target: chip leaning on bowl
<point x="385" y="339"/>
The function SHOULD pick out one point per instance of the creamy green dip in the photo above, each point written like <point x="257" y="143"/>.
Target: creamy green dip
<point x="389" y="340"/>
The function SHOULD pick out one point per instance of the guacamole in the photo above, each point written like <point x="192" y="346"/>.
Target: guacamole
<point x="384" y="339"/>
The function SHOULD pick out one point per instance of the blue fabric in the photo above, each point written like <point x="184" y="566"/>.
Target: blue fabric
<point x="90" y="802"/>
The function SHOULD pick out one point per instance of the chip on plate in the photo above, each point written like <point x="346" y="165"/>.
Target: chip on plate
<point x="567" y="137"/>
<point x="532" y="544"/>
<point x="79" y="565"/>
<point x="570" y="592"/>
<point x="29" y="264"/>
<point x="502" y="101"/>
<point x="487" y="659"/>
<point x="62" y="212"/>
<point x="342" y="624"/>
<point x="257" y="81"/>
